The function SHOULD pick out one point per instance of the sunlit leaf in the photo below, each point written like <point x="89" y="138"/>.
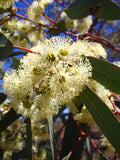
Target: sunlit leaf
<point x="104" y="9"/>
<point x="103" y="116"/>
<point x="106" y="73"/>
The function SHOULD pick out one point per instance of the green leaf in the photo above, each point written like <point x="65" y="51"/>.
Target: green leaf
<point x="71" y="135"/>
<point x="21" y="155"/>
<point x="103" y="116"/>
<point x="5" y="47"/>
<point x="60" y="27"/>
<point x="104" y="9"/>
<point x="29" y="139"/>
<point x="106" y="73"/>
<point x="15" y="63"/>
<point x="1" y="115"/>
<point x="2" y="97"/>
<point x="9" y="118"/>
<point x="52" y="138"/>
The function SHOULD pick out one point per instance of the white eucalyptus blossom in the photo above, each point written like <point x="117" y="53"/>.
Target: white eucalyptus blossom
<point x="84" y="117"/>
<point x="35" y="11"/>
<point x="7" y="3"/>
<point x="11" y="25"/>
<point x="107" y="144"/>
<point x="102" y="92"/>
<point x="24" y="26"/>
<point x="47" y="80"/>
<point x="82" y="26"/>
<point x="85" y="25"/>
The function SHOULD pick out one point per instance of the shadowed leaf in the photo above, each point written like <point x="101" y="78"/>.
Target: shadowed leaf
<point x="60" y="25"/>
<point x="5" y="47"/>
<point x="104" y="9"/>
<point x="2" y="97"/>
<point x="71" y="135"/>
<point x="15" y="63"/>
<point x="9" y="118"/>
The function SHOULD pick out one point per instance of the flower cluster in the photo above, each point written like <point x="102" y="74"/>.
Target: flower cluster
<point x="13" y="138"/>
<point x="36" y="10"/>
<point x="21" y="32"/>
<point x="7" y="3"/>
<point x="82" y="26"/>
<point x="45" y="81"/>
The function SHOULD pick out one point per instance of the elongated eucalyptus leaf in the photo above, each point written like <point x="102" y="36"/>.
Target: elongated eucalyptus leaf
<point x="5" y="47"/>
<point x="52" y="138"/>
<point x="106" y="73"/>
<point x="2" y="97"/>
<point x="9" y="118"/>
<point x="103" y="117"/>
<point x="71" y="135"/>
<point x="105" y="9"/>
<point x="29" y="139"/>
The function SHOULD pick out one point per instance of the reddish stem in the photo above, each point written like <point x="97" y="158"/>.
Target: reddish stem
<point x="102" y="41"/>
<point x="114" y="106"/>
<point x="76" y="144"/>
<point x="95" y="31"/>
<point x="24" y="9"/>
<point x="25" y="49"/>
<point x="61" y="3"/>
<point x="23" y="14"/>
<point x="91" y="141"/>
<point x="58" y="16"/>
<point x="49" y="19"/>
<point x="25" y="3"/>
<point x="27" y="19"/>
<point x="5" y="20"/>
